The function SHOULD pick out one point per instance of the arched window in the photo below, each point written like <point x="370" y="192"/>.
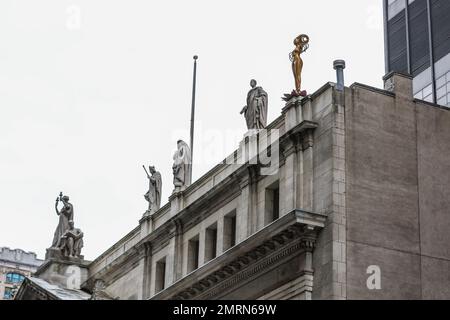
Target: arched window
<point x="13" y="277"/>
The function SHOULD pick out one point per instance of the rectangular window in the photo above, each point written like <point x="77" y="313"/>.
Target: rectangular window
<point x="441" y="92"/>
<point x="428" y="98"/>
<point x="272" y="203"/>
<point x="418" y="95"/>
<point x="427" y="91"/>
<point x="441" y="81"/>
<point x="8" y="294"/>
<point x="229" y="231"/>
<point x="211" y="242"/>
<point x="394" y="7"/>
<point x="160" y="275"/>
<point x="193" y="248"/>
<point x="418" y="37"/>
<point x="440" y="11"/>
<point x="442" y="101"/>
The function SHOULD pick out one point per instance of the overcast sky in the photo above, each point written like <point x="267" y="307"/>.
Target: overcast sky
<point x="90" y="90"/>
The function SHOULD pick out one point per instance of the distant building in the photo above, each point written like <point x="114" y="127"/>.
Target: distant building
<point x="15" y="265"/>
<point x="417" y="42"/>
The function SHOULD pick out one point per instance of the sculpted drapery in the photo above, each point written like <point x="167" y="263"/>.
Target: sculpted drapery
<point x="67" y="240"/>
<point x="65" y="215"/>
<point x="153" y="195"/>
<point x="181" y="166"/>
<point x="255" y="111"/>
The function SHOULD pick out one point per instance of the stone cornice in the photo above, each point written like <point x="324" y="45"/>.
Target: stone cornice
<point x="297" y="230"/>
<point x="27" y="285"/>
<point x="373" y="89"/>
<point x="49" y="262"/>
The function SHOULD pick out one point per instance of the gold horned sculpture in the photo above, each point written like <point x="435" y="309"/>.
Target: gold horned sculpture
<point x="301" y="45"/>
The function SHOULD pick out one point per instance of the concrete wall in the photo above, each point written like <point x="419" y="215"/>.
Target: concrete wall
<point x="398" y="210"/>
<point x="433" y="150"/>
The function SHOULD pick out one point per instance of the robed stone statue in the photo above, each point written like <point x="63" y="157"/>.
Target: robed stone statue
<point x="67" y="240"/>
<point x="255" y="111"/>
<point x="153" y="195"/>
<point x="65" y="215"/>
<point x="71" y="242"/>
<point x="182" y="166"/>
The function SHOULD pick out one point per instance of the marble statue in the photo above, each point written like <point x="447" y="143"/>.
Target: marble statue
<point x="71" y="242"/>
<point x="65" y="215"/>
<point x="182" y="166"/>
<point x="255" y="111"/>
<point x="153" y="195"/>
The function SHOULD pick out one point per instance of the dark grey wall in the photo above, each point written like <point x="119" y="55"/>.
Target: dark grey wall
<point x="398" y="208"/>
<point x="433" y="147"/>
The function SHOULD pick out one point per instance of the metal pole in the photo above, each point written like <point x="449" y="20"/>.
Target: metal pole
<point x="408" y="37"/>
<point x="431" y="49"/>
<point x="193" y="113"/>
<point x="386" y="39"/>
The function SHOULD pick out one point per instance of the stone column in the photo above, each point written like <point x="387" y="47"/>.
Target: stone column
<point x="288" y="185"/>
<point x="201" y="247"/>
<point x="176" y="203"/>
<point x="175" y="254"/>
<point x="299" y="181"/>
<point x="146" y="224"/>
<point x="242" y="212"/>
<point x="252" y="200"/>
<point x="308" y="171"/>
<point x="147" y="278"/>
<point x="220" y="230"/>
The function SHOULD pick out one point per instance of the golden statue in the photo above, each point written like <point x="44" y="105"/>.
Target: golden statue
<point x="301" y="45"/>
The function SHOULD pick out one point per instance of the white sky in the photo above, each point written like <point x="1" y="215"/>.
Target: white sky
<point x="85" y="102"/>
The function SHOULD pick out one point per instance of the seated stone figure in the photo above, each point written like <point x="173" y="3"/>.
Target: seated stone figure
<point x="71" y="242"/>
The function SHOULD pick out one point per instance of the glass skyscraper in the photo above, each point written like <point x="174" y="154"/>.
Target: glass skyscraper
<point x="417" y="41"/>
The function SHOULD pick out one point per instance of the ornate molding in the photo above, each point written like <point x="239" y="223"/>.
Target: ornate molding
<point x="296" y="233"/>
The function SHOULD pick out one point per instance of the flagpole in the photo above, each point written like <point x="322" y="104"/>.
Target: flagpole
<point x="193" y="113"/>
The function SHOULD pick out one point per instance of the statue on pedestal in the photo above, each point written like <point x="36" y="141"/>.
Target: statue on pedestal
<point x="255" y="111"/>
<point x="65" y="215"/>
<point x="301" y="45"/>
<point x="182" y="166"/>
<point x="67" y="240"/>
<point x="153" y="195"/>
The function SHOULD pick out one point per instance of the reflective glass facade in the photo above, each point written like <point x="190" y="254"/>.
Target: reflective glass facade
<point x="417" y="41"/>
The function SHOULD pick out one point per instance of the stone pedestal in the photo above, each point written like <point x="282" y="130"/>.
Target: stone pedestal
<point x="69" y="273"/>
<point x="176" y="202"/>
<point x="146" y="224"/>
<point x="55" y="253"/>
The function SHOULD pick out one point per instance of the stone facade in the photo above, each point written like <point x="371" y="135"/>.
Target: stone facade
<point x="360" y="183"/>
<point x="14" y="265"/>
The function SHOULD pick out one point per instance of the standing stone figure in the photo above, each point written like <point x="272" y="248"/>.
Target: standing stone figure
<point x="182" y="166"/>
<point x="255" y="111"/>
<point x="153" y="195"/>
<point x="71" y="242"/>
<point x="65" y="215"/>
